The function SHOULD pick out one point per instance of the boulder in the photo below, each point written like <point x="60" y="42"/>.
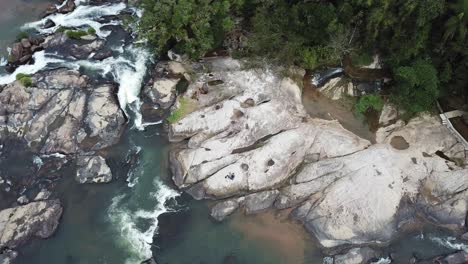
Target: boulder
<point x="49" y="24"/>
<point x="8" y="256"/>
<point x="257" y="202"/>
<point x="388" y="115"/>
<point x="68" y="7"/>
<point x="92" y="169"/>
<point x="337" y="87"/>
<point x="356" y="256"/>
<point x="37" y="219"/>
<point x="223" y="209"/>
<point x="62" y="113"/>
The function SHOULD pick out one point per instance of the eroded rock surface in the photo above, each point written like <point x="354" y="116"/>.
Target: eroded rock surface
<point x="250" y="142"/>
<point x="61" y="112"/>
<point x="36" y="219"/>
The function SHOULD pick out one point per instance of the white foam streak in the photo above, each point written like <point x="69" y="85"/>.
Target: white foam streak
<point x="383" y="261"/>
<point x="136" y="240"/>
<point x="82" y="16"/>
<point x="41" y="60"/>
<point x="450" y="242"/>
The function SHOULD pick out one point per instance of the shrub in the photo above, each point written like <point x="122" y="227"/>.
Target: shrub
<point x="91" y="31"/>
<point x="21" y="36"/>
<point x="370" y="101"/>
<point x="24" y="79"/>
<point x="76" y="34"/>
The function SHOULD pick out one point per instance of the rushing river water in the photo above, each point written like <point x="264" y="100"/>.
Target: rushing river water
<point x="117" y="222"/>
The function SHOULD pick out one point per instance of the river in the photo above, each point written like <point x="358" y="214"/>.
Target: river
<point x="140" y="215"/>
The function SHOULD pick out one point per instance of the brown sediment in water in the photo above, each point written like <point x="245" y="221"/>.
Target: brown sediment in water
<point x="275" y="231"/>
<point x="322" y="107"/>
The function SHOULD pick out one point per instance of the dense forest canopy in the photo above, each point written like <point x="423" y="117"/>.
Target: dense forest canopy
<point x="422" y="42"/>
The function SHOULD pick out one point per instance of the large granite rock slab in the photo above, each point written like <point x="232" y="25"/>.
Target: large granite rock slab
<point x="21" y="223"/>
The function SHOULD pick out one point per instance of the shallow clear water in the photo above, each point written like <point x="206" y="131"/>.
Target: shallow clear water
<point x="114" y="223"/>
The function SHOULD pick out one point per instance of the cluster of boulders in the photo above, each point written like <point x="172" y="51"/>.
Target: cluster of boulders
<point x="63" y="7"/>
<point x="248" y="142"/>
<point x="22" y="51"/>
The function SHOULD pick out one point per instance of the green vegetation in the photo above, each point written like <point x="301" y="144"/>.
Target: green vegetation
<point x="91" y="31"/>
<point x="76" y="34"/>
<point x="185" y="106"/>
<point x="63" y="29"/>
<point x="369" y="102"/>
<point x="24" y="79"/>
<point x="22" y="35"/>
<point x="422" y="42"/>
<point x="417" y="87"/>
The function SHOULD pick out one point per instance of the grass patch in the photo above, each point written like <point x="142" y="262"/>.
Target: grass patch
<point x="91" y="31"/>
<point x="21" y="35"/>
<point x="63" y="29"/>
<point x="24" y="79"/>
<point x="370" y="101"/>
<point x="185" y="106"/>
<point x="76" y="34"/>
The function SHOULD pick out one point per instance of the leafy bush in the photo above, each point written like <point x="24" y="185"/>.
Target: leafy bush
<point x="370" y="101"/>
<point x="417" y="87"/>
<point x="21" y="36"/>
<point x="76" y="34"/>
<point x="24" y="79"/>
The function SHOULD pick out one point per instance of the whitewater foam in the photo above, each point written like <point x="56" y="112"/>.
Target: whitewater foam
<point x="132" y="237"/>
<point x="450" y="242"/>
<point x="82" y="17"/>
<point x="41" y="60"/>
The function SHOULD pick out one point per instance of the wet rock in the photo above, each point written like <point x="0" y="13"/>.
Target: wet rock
<point x="49" y="24"/>
<point x="23" y="200"/>
<point x="37" y="219"/>
<point x="68" y="7"/>
<point x="464" y="236"/>
<point x="103" y="54"/>
<point x="44" y="194"/>
<point x="8" y="256"/>
<point x="460" y="257"/>
<point x="83" y="51"/>
<point x="51" y="114"/>
<point x="223" y="209"/>
<point x="356" y="256"/>
<point x="92" y="169"/>
<point x="25" y="43"/>
<point x="261" y="201"/>
<point x="51" y="9"/>
<point x="55" y="40"/>
<point x="337" y="88"/>
<point x="104" y="118"/>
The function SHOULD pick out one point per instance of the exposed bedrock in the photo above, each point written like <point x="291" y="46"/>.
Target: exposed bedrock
<point x="246" y="139"/>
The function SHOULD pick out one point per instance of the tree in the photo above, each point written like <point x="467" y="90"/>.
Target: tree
<point x="417" y="87"/>
<point x="192" y="27"/>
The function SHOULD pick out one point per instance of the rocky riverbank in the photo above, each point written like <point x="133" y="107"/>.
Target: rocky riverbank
<point x="246" y="140"/>
<point x="52" y="110"/>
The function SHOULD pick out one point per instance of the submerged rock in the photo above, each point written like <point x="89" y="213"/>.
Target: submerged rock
<point x="36" y="219"/>
<point x="8" y="256"/>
